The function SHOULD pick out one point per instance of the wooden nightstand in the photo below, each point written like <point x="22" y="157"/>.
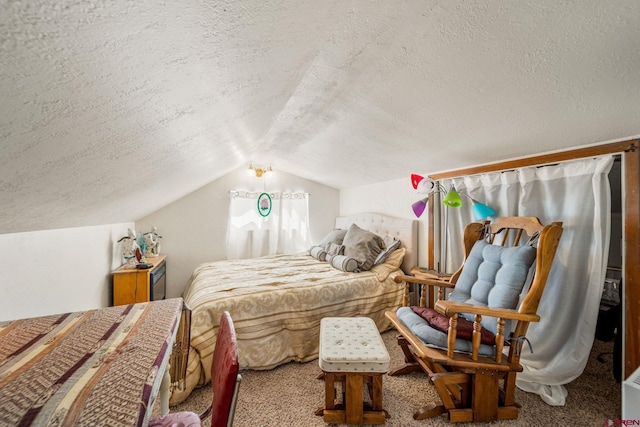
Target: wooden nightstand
<point x="131" y="285"/>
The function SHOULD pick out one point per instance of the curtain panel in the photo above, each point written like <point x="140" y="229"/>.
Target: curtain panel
<point x="578" y="194"/>
<point x="261" y="225"/>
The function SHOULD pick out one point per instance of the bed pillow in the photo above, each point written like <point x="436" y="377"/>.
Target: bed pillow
<point x="318" y="253"/>
<point x="343" y="263"/>
<point x="334" y="249"/>
<point x="335" y="236"/>
<point x="363" y="246"/>
<point x="395" y="259"/>
<point x="390" y="245"/>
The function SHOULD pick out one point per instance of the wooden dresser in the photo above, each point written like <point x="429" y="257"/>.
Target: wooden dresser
<point x="131" y="285"/>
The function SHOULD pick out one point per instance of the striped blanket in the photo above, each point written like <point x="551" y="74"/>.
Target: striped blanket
<point x="98" y="367"/>
<point x="276" y="304"/>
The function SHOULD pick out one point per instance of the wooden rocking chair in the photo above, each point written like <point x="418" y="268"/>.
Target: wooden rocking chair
<point x="454" y="344"/>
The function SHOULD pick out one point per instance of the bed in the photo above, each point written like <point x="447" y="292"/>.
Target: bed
<point x="277" y="302"/>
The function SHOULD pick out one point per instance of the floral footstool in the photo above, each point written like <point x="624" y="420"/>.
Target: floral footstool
<point x="352" y="355"/>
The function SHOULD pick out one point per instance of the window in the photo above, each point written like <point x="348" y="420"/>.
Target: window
<point x="267" y="224"/>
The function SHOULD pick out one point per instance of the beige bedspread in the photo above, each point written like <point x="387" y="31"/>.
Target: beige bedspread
<point x="276" y="304"/>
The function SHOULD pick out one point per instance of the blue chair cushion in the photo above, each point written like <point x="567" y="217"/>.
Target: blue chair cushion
<point x="492" y="276"/>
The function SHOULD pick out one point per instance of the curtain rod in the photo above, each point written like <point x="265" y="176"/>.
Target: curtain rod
<point x="616" y="147"/>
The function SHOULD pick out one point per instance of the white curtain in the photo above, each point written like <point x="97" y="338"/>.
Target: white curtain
<point x="578" y="194"/>
<point x="284" y="230"/>
<point x="294" y="235"/>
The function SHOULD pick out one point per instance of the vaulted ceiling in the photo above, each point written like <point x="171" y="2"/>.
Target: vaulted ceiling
<point x="110" y="110"/>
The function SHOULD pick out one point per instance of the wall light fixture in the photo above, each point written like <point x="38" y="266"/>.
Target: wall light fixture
<point x="260" y="171"/>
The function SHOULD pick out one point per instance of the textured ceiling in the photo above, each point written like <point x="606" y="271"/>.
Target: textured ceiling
<point x="112" y="109"/>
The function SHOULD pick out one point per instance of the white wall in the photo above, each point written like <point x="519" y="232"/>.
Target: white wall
<point x="392" y="198"/>
<point x="57" y="271"/>
<point x="194" y="228"/>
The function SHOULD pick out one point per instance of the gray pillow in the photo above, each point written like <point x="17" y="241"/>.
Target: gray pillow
<point x="390" y="245"/>
<point x="335" y="236"/>
<point x="334" y="249"/>
<point x="363" y="246"/>
<point x="318" y="253"/>
<point x="493" y="276"/>
<point x="343" y="263"/>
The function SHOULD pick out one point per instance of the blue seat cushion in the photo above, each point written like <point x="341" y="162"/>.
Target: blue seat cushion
<point x="433" y="337"/>
<point x="464" y="327"/>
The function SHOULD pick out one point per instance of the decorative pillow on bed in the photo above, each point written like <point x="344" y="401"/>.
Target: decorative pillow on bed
<point x="391" y="244"/>
<point x="343" y="263"/>
<point x="364" y="246"/>
<point x="318" y="253"/>
<point x="335" y="236"/>
<point x="395" y="259"/>
<point x="334" y="249"/>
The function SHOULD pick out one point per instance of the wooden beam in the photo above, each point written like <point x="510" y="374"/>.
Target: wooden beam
<point x="631" y="284"/>
<point x="615" y="147"/>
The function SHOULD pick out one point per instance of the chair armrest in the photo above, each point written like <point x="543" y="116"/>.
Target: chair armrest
<point x="424" y="281"/>
<point x="449" y="308"/>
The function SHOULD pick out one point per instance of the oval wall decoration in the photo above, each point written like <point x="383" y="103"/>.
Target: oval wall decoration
<point x="264" y="204"/>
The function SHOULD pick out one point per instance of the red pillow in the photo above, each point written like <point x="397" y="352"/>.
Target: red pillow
<point x="464" y="328"/>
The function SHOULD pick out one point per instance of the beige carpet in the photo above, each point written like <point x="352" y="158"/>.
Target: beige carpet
<point x="290" y="394"/>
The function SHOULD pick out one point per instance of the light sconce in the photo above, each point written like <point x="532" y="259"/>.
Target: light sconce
<point x="260" y="171"/>
<point x="451" y="198"/>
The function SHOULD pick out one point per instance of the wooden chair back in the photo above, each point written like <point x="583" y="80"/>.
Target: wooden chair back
<point x="511" y="232"/>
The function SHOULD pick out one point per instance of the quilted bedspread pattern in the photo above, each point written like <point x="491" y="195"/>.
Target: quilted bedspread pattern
<point x="276" y="304"/>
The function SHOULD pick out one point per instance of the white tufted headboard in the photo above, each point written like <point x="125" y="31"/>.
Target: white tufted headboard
<point x="406" y="230"/>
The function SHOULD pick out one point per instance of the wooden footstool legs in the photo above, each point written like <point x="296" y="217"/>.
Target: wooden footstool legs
<point x="352" y="409"/>
<point x="352" y="355"/>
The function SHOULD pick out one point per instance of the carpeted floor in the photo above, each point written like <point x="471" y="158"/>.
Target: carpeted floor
<point x="290" y="394"/>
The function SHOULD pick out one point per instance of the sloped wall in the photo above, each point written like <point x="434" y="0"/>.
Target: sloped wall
<point x="63" y="270"/>
<point x="57" y="271"/>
